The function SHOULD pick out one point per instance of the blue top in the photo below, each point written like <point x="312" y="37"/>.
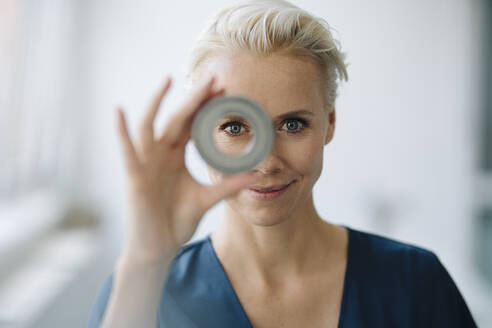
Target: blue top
<point x="387" y="284"/>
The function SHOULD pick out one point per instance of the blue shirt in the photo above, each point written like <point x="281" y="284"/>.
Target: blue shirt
<point x="387" y="284"/>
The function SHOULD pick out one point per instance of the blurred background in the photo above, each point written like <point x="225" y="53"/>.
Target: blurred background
<point x="411" y="158"/>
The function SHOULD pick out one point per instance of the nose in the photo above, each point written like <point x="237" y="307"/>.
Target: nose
<point x="272" y="164"/>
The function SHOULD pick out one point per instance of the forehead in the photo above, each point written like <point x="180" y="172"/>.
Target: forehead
<point x="278" y="82"/>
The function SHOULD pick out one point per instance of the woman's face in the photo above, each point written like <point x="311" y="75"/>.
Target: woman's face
<point x="281" y="84"/>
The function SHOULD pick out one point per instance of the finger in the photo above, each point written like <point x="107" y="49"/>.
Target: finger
<point x="210" y="195"/>
<point x="181" y="121"/>
<point x="216" y="93"/>
<point x="186" y="131"/>
<point x="146" y="130"/>
<point x="129" y="153"/>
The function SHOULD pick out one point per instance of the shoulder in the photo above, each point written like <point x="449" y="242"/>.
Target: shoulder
<point x="191" y="248"/>
<point x="385" y="255"/>
<point x="392" y="268"/>
<point x="408" y="279"/>
<point x="189" y="258"/>
<point x="179" y="275"/>
<point x="194" y="266"/>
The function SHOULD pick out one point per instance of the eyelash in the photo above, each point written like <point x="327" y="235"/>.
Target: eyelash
<point x="304" y="125"/>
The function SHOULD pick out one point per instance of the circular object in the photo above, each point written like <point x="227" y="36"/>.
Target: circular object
<point x="218" y="107"/>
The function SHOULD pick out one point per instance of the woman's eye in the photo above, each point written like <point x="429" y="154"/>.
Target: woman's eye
<point x="295" y="125"/>
<point x="235" y="128"/>
<point x="232" y="128"/>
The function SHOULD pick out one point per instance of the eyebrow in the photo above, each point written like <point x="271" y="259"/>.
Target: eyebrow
<point x="295" y="112"/>
<point x="279" y="117"/>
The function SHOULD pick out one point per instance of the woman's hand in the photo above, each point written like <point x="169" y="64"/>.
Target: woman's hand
<point x="165" y="202"/>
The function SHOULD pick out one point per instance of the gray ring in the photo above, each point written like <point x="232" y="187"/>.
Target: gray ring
<point x="206" y="119"/>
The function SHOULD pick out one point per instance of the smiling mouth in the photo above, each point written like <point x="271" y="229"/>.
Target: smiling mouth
<point x="271" y="188"/>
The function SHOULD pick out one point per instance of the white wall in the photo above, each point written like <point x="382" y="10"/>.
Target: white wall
<point x="403" y="158"/>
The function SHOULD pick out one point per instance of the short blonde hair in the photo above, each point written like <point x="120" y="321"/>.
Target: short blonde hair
<point x="266" y="26"/>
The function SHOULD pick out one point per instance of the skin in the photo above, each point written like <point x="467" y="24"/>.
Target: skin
<point x="285" y="263"/>
<point x="267" y="245"/>
<point x="165" y="206"/>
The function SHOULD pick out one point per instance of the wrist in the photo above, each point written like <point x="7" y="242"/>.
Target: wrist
<point x="151" y="262"/>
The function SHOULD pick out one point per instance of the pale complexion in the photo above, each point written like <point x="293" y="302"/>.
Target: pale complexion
<point x="165" y="206"/>
<point x="286" y="264"/>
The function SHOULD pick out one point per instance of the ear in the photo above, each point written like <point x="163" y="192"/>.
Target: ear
<point x="331" y="126"/>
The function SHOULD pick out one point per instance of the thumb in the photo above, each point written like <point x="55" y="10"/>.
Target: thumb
<point x="228" y="187"/>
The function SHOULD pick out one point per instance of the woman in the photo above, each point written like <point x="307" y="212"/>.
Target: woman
<point x="274" y="262"/>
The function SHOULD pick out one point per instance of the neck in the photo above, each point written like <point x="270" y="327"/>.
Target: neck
<point x="275" y="253"/>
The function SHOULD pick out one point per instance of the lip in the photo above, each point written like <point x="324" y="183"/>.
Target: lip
<point x="268" y="195"/>
<point x="259" y="188"/>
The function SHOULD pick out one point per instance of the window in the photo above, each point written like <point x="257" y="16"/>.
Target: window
<point x="41" y="129"/>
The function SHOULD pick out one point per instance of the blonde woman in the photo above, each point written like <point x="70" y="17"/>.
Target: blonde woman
<point x="274" y="262"/>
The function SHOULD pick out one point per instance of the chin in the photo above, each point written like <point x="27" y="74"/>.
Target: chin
<point x="260" y="214"/>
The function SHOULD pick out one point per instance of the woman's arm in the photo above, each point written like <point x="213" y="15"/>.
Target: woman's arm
<point x="136" y="292"/>
<point x="166" y="205"/>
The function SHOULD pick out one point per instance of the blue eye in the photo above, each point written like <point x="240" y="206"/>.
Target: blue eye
<point x="234" y="128"/>
<point x="294" y="125"/>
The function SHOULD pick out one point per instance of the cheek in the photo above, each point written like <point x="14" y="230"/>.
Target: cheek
<point x="307" y="156"/>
